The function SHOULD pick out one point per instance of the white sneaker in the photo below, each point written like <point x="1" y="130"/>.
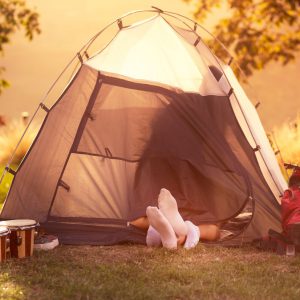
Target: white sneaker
<point x="45" y="242"/>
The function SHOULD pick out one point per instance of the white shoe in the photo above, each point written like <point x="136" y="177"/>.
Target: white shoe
<point x="45" y="242"/>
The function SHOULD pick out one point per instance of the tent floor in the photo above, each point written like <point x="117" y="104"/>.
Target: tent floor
<point x="91" y="234"/>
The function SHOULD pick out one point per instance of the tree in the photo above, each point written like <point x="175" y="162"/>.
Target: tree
<point x="14" y="15"/>
<point x="257" y="31"/>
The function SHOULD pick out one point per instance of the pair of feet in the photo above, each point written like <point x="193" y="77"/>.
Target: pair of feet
<point x="167" y="226"/>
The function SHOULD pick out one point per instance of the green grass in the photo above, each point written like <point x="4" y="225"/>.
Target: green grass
<point x="137" y="272"/>
<point x="5" y="185"/>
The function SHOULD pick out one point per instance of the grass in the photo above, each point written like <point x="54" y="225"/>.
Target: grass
<point x="5" y="185"/>
<point x="137" y="272"/>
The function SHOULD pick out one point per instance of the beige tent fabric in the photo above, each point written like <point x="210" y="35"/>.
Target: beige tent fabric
<point x="100" y="188"/>
<point x="146" y="51"/>
<point x="206" y="54"/>
<point x="117" y="108"/>
<point x="245" y="111"/>
<point x="36" y="180"/>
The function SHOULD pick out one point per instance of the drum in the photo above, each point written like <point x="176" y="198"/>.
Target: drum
<point x="4" y="232"/>
<point x="21" y="236"/>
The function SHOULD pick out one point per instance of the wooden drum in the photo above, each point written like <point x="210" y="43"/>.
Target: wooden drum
<point x="21" y="236"/>
<point x="4" y="232"/>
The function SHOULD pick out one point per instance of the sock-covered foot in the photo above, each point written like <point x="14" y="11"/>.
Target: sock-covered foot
<point x="168" y="206"/>
<point x="193" y="235"/>
<point x="153" y="238"/>
<point x="159" y="222"/>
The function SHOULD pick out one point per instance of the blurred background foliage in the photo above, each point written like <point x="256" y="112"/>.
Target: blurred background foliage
<point x="15" y="15"/>
<point x="257" y="32"/>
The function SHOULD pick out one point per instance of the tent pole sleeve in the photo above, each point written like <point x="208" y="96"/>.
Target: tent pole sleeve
<point x="86" y="54"/>
<point x="64" y="185"/>
<point x="44" y="107"/>
<point x="197" y="41"/>
<point x="80" y="57"/>
<point x="230" y="92"/>
<point x="108" y="153"/>
<point x="230" y="61"/>
<point x="120" y="24"/>
<point x="257" y="148"/>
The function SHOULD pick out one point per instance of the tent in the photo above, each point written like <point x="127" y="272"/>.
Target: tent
<point x="154" y="108"/>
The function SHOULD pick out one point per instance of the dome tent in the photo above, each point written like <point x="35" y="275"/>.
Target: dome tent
<point x="154" y="108"/>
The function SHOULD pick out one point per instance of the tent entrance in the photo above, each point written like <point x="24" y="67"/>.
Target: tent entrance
<point x="126" y="150"/>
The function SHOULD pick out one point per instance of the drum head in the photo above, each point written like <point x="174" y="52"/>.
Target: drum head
<point x="15" y="224"/>
<point x="3" y="231"/>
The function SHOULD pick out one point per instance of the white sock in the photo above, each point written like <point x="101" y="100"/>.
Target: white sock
<point x="168" y="206"/>
<point x="158" y="221"/>
<point x="193" y="235"/>
<point x="153" y="238"/>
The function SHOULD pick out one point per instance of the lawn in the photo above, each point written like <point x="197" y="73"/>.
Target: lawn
<point x="137" y="272"/>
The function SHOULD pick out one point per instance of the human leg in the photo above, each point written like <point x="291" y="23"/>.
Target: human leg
<point x="209" y="232"/>
<point x="141" y="223"/>
<point x="204" y="232"/>
<point x="187" y="233"/>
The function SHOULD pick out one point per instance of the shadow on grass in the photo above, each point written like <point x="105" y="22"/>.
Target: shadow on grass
<point x="137" y="272"/>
